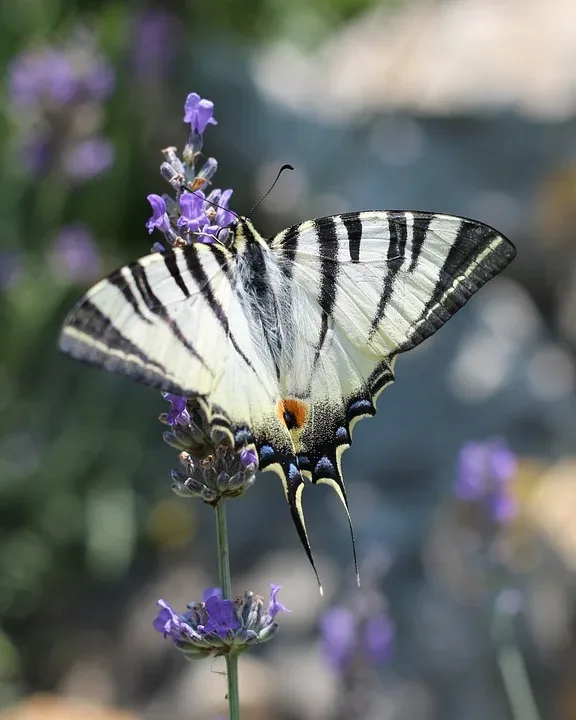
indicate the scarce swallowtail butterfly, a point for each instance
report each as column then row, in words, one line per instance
column 288, row 341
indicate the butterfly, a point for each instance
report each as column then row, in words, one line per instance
column 287, row 342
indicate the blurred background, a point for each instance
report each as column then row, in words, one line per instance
column 462, row 489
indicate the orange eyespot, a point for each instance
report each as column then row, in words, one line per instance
column 293, row 413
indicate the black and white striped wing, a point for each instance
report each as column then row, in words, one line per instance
column 173, row 321
column 365, row 287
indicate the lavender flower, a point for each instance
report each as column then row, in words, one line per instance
column 178, row 413
column 213, row 469
column 217, row 626
column 485, row 471
column 192, row 208
column 159, row 217
column 199, row 113
column 60, row 75
column 216, row 463
column 74, row 254
column 88, row 158
column 55, row 100
column 154, row 44
column 356, row 636
column 192, row 216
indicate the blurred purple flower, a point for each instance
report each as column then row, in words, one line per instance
column 159, row 217
column 221, row 617
column 211, row 592
column 347, row 635
column 485, row 470
column 178, row 413
column 75, row 255
column 58, row 76
column 198, row 112
column 154, row 43
column 89, row 158
column 99, row 79
column 379, row 638
column 338, row 629
column 10, row 268
column 35, row 75
column 36, row 152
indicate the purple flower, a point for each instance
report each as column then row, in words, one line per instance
column 178, row 413
column 159, row 217
column 198, row 112
column 485, row 470
column 379, row 638
column 221, row 617
column 38, row 74
column 248, row 457
column 347, row 635
column 60, row 76
column 154, row 43
column 192, row 209
column 211, row 592
column 75, row 255
column 216, row 626
column 222, row 216
column 275, row 606
column 100, row 79
column 169, row 623
column 89, row 158
column 339, row 636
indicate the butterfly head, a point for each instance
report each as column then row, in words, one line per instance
column 244, row 234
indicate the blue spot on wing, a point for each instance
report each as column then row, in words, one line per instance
column 325, row 467
column 266, row 452
column 342, row 435
column 361, row 406
column 293, row 472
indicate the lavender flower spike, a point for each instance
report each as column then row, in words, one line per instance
column 216, row 626
column 198, row 112
column 485, row 470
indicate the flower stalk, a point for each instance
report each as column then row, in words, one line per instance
column 226, row 586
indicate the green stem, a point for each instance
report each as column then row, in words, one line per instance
column 226, row 586
column 513, row 670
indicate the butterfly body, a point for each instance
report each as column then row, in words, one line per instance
column 287, row 342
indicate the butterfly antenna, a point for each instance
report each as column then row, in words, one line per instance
column 284, row 167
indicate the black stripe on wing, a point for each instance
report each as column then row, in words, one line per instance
column 118, row 280
column 172, row 267
column 353, row 225
column 156, row 307
column 398, row 233
column 199, row 275
column 328, row 245
column 478, row 253
column 95, row 328
column 419, row 231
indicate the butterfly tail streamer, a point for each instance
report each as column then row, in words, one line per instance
column 340, row 490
